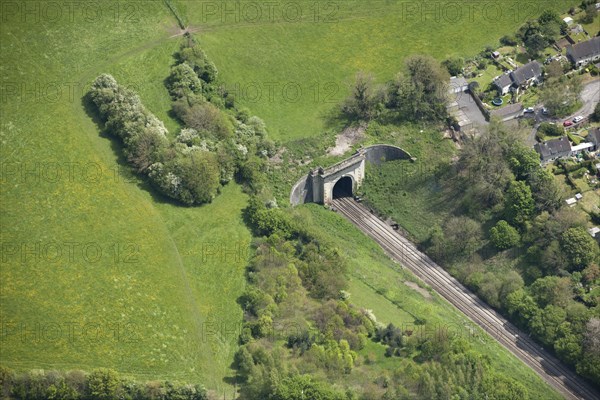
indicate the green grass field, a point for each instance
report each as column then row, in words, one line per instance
column 143, row 286
column 294, row 65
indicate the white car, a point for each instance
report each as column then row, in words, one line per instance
column 529, row 110
column 577, row 119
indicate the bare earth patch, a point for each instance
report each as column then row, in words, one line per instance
column 419, row 289
column 345, row 140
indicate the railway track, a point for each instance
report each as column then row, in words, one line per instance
column 405, row 252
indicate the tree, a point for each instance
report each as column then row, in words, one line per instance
column 560, row 97
column 546, row 323
column 454, row 65
column 103, row 384
column 535, row 44
column 591, row 336
column 303, row 387
column 551, row 25
column 362, row 104
column 482, row 165
column 421, row 93
column 550, row 129
column 579, row 247
column 508, row 40
column 183, row 81
column 546, row 191
column 590, row 14
column 519, row 203
column 462, row 237
column 504, row 236
column 552, row 290
column 195, row 57
column 522, row 159
column 596, row 115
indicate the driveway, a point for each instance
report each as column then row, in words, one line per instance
column 469, row 107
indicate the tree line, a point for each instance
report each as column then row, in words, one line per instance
column 217, row 143
column 419, row 93
column 100, row 384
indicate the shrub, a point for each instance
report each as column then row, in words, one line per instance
column 548, row 129
column 509, row 40
column 504, row 236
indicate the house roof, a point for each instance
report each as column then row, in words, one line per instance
column 582, row 146
column 568, row 20
column 507, row 110
column 594, row 231
column 503, row 81
column 584, row 50
column 526, row 72
column 554, row 147
column 458, row 82
column 571, row 201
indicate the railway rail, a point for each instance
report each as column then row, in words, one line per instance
column 406, row 253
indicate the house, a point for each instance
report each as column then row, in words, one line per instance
column 527, row 75
column 554, row 149
column 508, row 112
column 503, row 83
column 568, row 20
column 585, row 52
column 578, row 196
column 587, row 146
column 594, row 138
column 522, row 77
column 571, row 202
column 458, row 84
column 495, row 54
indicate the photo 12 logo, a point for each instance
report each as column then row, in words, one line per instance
column 55, row 252
column 256, row 12
column 284, row 92
column 69, row 332
column 27, row 11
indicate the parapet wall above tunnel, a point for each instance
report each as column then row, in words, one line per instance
column 314, row 186
column 380, row 153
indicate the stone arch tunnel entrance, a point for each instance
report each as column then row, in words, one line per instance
column 322, row 185
column 343, row 188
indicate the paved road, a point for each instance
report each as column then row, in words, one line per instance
column 590, row 96
column 405, row 252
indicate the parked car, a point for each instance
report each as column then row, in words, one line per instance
column 529, row 110
column 545, row 111
column 577, row 119
column 567, row 123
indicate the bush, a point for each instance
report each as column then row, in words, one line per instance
column 508, row 40
column 548, row 129
column 504, row 236
column 454, row 65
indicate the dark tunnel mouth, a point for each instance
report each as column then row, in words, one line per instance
column 343, row 188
